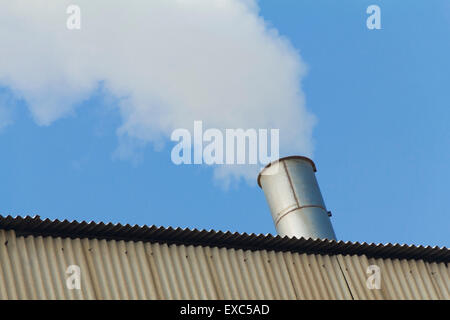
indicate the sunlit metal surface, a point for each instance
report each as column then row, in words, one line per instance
column 295, row 200
column 188, row 264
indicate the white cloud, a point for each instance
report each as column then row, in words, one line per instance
column 171, row 62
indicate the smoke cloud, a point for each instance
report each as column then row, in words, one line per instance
column 168, row 62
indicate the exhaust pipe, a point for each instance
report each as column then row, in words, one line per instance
column 294, row 198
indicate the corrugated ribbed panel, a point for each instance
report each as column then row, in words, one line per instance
column 34, row 267
column 400, row 279
column 35, row 226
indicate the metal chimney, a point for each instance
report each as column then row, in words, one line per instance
column 294, row 198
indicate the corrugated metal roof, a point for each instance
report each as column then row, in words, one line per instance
column 34, row 267
column 401, row 278
column 55, row 228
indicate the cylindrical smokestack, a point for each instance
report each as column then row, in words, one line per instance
column 294, row 198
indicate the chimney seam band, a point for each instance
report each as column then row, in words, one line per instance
column 290, row 183
column 300, row 208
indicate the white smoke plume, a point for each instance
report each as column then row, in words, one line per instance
column 169, row 62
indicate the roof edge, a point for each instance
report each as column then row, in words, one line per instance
column 35, row 226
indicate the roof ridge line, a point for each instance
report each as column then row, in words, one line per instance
column 34, row 225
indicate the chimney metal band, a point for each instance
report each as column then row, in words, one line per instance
column 281, row 216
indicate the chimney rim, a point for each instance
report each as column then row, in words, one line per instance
column 283, row 159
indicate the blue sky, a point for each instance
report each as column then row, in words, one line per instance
column 382, row 103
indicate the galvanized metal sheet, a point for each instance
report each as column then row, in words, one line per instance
column 34, row 267
column 36, row 226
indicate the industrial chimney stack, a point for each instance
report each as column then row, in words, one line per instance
column 294, row 198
